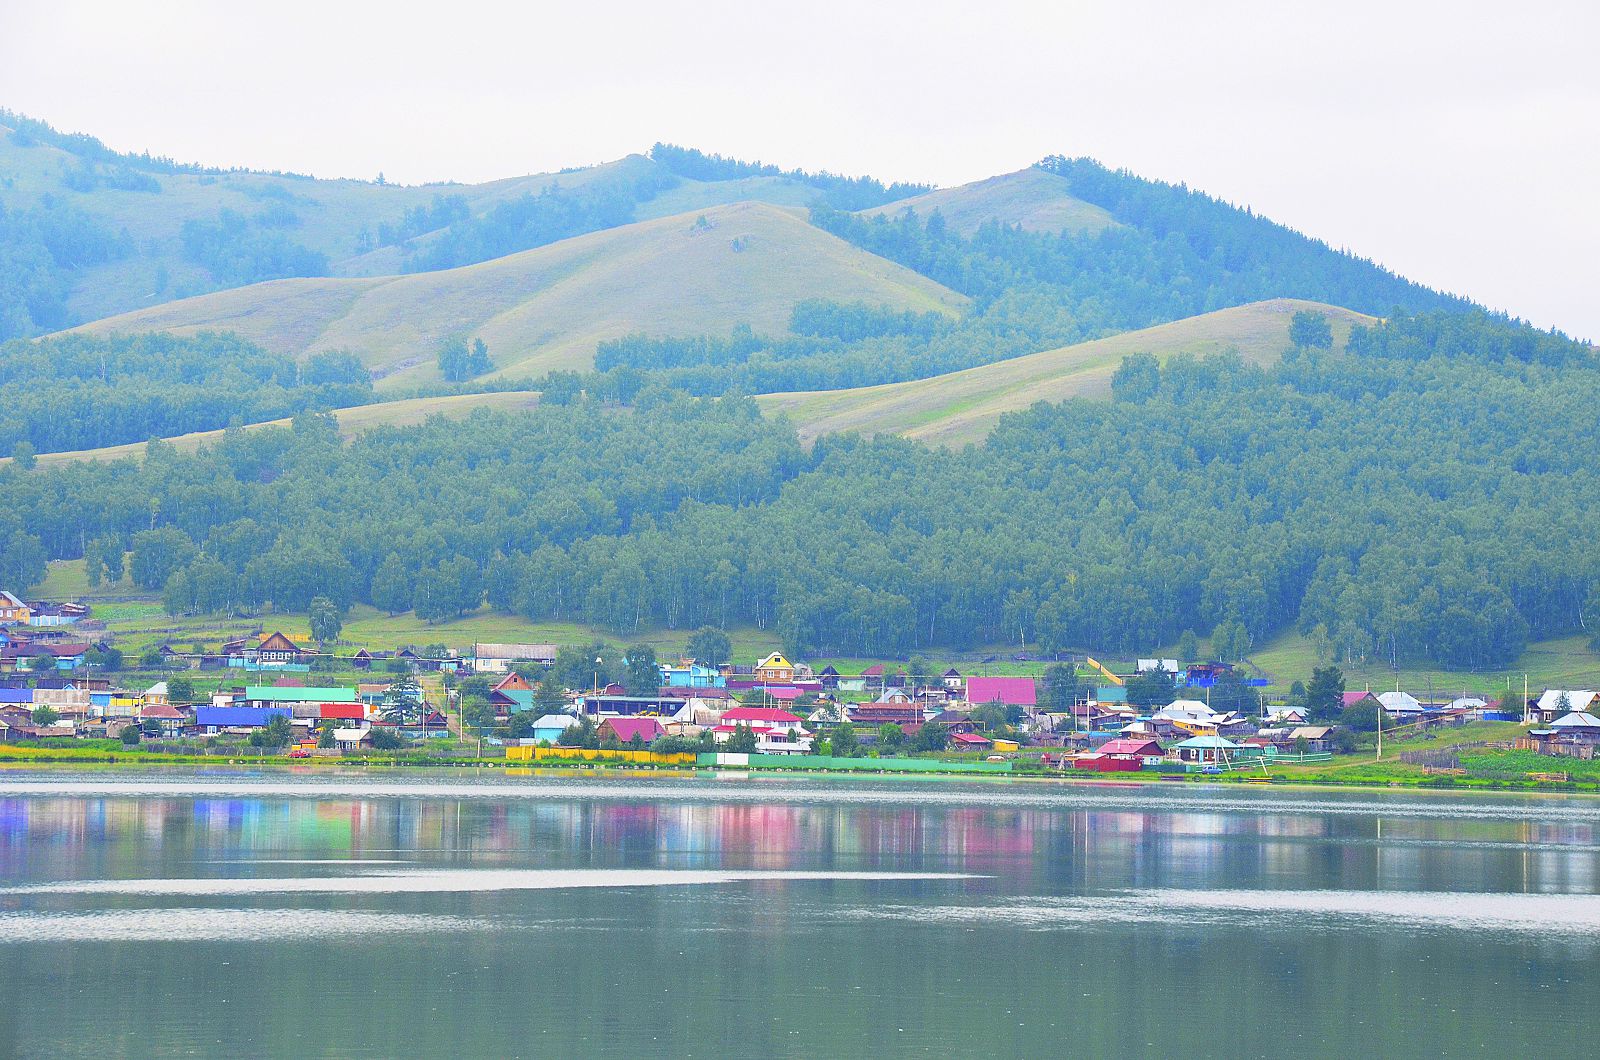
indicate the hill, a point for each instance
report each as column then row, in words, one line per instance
column 352, row 421
column 546, row 308
column 961, row 407
column 1033, row 198
column 90, row 232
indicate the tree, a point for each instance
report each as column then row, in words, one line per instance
column 402, row 701
column 24, row 455
column 1310, row 331
column 1137, row 378
column 1060, row 687
column 44, row 716
column 131, row 735
column 581, row 734
column 933, row 736
column 891, row 736
column 107, row 659
column 548, row 697
column 643, row 676
column 709, row 646
column 384, row 740
column 1325, row 694
column 1229, row 641
column 275, row 733
column 325, row 736
column 520, row 726
column 459, row 362
column 844, row 742
column 151, row 658
column 1188, row 647
column 326, row 621
column 1361, row 717
column 180, row 689
column 1153, row 688
column 157, row 554
column 742, row 740
column 22, row 562
column 42, row 663
column 390, row 590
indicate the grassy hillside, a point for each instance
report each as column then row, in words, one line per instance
column 1032, row 198
column 352, row 421
column 689, row 274
column 961, row 407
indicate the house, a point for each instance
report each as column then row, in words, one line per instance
column 1206, row 750
column 776, row 731
column 167, row 719
column 156, row 694
column 68, row 655
column 499, row 658
column 212, row 720
column 952, row 679
column 548, row 729
column 277, row 649
column 624, row 730
column 1578, row 727
column 361, row 660
column 511, row 693
column 775, row 669
column 299, row 702
column 1318, row 738
column 969, row 741
column 341, row 712
column 1010, row 691
column 13, row 610
column 691, row 674
column 954, row 721
column 1147, row 666
column 352, row 738
column 1400, row 705
column 48, row 614
column 893, row 695
column 371, row 694
column 1554, row 703
column 620, row 703
column 1287, row 716
column 872, row 715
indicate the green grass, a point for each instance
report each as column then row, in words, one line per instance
column 352, row 421
column 961, row 407
column 1565, row 662
column 547, row 308
column 1036, row 200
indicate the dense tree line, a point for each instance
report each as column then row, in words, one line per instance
column 237, row 250
column 1401, row 506
column 86, row 391
column 841, row 193
column 40, row 251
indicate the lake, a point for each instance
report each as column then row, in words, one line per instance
column 320, row 914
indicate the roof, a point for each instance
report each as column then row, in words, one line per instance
column 1131, row 746
column 970, row 738
column 1576, row 720
column 10, row 599
column 343, row 711
column 1207, row 742
column 875, row 670
column 512, row 652
column 784, row 693
column 1311, row 732
column 1393, row 701
column 1577, row 699
column 162, row 710
column 278, row 642
column 16, row 695
column 646, row 729
column 229, row 716
column 157, row 689
column 284, row 694
column 777, row 660
column 521, row 698
column 1012, row 691
column 350, row 735
column 1350, row 699
column 555, row 721
column 952, row 672
column 759, row 716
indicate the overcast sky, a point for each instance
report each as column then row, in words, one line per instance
column 1457, row 143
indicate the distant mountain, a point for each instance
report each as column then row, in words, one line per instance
column 547, row 308
column 961, row 407
column 1032, row 198
column 87, row 232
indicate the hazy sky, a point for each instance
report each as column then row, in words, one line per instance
column 1458, row 143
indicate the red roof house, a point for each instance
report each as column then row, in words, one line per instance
column 970, row 741
column 1012, row 691
column 625, row 729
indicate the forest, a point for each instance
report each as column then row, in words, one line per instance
column 1425, row 494
column 86, row 391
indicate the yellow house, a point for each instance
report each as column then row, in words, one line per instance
column 775, row 668
column 13, row 610
column 1007, row 746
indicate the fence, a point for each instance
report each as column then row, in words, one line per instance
column 849, row 765
column 583, row 754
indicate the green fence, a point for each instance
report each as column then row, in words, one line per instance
column 851, row 765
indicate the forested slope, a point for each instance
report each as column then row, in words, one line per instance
column 1425, row 494
column 961, row 407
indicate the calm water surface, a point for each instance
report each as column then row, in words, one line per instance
column 315, row 915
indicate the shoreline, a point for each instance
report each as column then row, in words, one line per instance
column 134, row 765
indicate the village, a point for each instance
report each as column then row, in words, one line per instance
column 59, row 682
